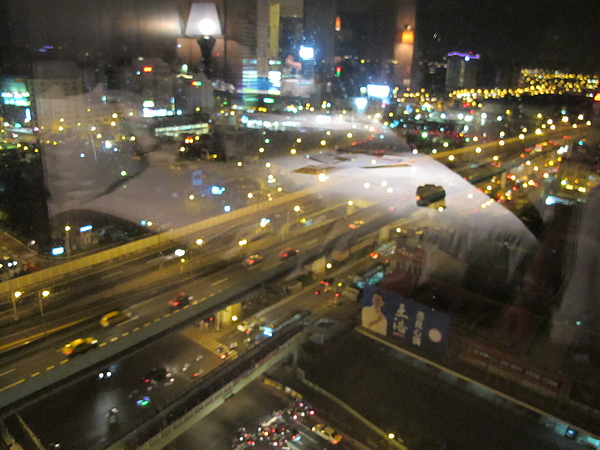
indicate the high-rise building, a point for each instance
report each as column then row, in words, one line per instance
column 462, row 71
column 404, row 44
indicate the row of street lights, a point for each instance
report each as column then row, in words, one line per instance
column 41, row 295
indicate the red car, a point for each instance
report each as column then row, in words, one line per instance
column 180, row 301
column 287, row 253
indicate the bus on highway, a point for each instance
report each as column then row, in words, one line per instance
column 278, row 324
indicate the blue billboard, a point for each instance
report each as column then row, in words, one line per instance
column 415, row 326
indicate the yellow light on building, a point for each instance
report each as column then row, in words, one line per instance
column 407, row 37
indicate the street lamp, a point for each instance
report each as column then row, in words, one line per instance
column 180, row 253
column 204, row 24
column 45, row 293
column 16, row 295
column 68, row 239
column 391, row 437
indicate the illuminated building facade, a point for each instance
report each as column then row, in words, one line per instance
column 462, row 71
column 404, row 46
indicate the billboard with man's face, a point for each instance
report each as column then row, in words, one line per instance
column 416, row 327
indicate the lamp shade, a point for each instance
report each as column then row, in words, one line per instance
column 203, row 21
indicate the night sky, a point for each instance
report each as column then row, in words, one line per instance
column 544, row 33
column 557, row 34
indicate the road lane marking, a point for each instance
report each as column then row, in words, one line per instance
column 35, row 374
column 7, row 372
column 220, row 281
column 50, row 367
column 114, row 339
column 33, row 337
column 16, row 383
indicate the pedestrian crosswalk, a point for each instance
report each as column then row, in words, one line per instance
column 203, row 338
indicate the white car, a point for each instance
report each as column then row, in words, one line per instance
column 245, row 326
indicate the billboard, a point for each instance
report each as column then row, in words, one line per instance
column 378, row 91
column 415, row 326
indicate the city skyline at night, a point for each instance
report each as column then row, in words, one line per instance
column 360, row 224
column 528, row 34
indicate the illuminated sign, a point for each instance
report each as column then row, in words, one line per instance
column 378, row 91
column 306, row 52
column 147, row 69
column 149, row 112
column 361, row 102
column 85, row 228
column 15, row 98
